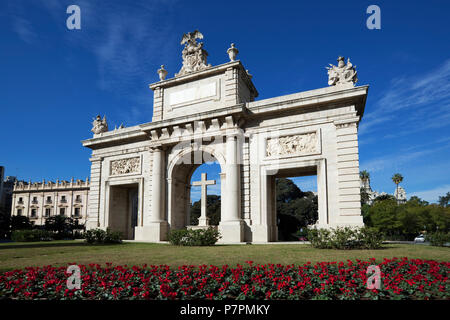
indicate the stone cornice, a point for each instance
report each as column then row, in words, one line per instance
column 327, row 95
column 206, row 73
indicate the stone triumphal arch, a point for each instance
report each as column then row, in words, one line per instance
column 140, row 175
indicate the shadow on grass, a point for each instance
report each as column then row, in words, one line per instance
column 49, row 245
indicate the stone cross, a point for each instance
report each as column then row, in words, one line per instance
column 203, row 220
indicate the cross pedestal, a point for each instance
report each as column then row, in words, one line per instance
column 203, row 220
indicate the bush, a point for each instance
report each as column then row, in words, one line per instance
column 345, row 238
column 438, row 238
column 61, row 227
column 31, row 235
column 100, row 236
column 20, row 223
column 197, row 237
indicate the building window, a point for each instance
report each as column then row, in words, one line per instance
column 49, row 199
column 48, row 211
column 35, row 201
column 63, row 199
column 20, row 200
column 62, row 211
column 33, row 213
column 77, row 212
column 78, row 198
column 19, row 212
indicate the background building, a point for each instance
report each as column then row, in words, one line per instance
column 40, row 200
column 399, row 193
column 6, row 190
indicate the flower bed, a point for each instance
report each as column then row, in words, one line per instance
column 400, row 279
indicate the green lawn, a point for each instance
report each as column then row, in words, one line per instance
column 20, row 255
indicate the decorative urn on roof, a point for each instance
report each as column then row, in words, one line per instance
column 232, row 52
column 162, row 73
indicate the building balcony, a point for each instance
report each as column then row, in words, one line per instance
column 20, row 202
column 34, row 202
column 63, row 201
column 78, row 201
column 48, row 201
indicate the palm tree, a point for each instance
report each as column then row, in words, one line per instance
column 397, row 178
column 364, row 175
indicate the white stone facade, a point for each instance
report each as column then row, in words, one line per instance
column 41, row 200
column 211, row 114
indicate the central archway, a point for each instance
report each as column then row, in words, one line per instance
column 182, row 165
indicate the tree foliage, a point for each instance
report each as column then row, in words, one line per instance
column 213, row 205
column 405, row 221
column 444, row 200
column 295, row 209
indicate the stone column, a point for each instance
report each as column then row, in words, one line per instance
column 231, row 224
column 232, row 186
column 93, row 219
column 157, row 227
column 157, row 187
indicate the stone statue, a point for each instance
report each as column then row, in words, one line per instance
column 99, row 125
column 194, row 56
column 343, row 73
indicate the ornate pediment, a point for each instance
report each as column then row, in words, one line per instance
column 194, row 56
column 342, row 74
column 99, row 125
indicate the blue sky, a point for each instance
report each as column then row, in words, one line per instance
column 53, row 81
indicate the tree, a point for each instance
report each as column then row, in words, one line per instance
column 397, row 178
column 416, row 201
column 5, row 223
column 287, row 190
column 364, row 175
column 20, row 223
column 444, row 200
column 383, row 216
column 61, row 226
column 384, row 197
column 365, row 198
column 295, row 208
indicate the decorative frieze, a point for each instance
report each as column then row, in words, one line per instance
column 299, row 144
column 126, row 166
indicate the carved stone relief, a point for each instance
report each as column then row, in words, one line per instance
column 125, row 166
column 300, row 144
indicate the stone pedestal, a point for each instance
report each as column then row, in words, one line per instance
column 231, row 231
column 154, row 232
column 203, row 221
column 264, row 233
column 200, row 227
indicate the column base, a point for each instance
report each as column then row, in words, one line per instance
column 154, row 232
column 231, row 231
column 264, row 233
column 200, row 227
column 343, row 221
column 92, row 224
column 203, row 222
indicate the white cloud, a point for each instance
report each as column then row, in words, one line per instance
column 24, row 29
column 196, row 191
column 424, row 97
column 383, row 163
column 432, row 195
